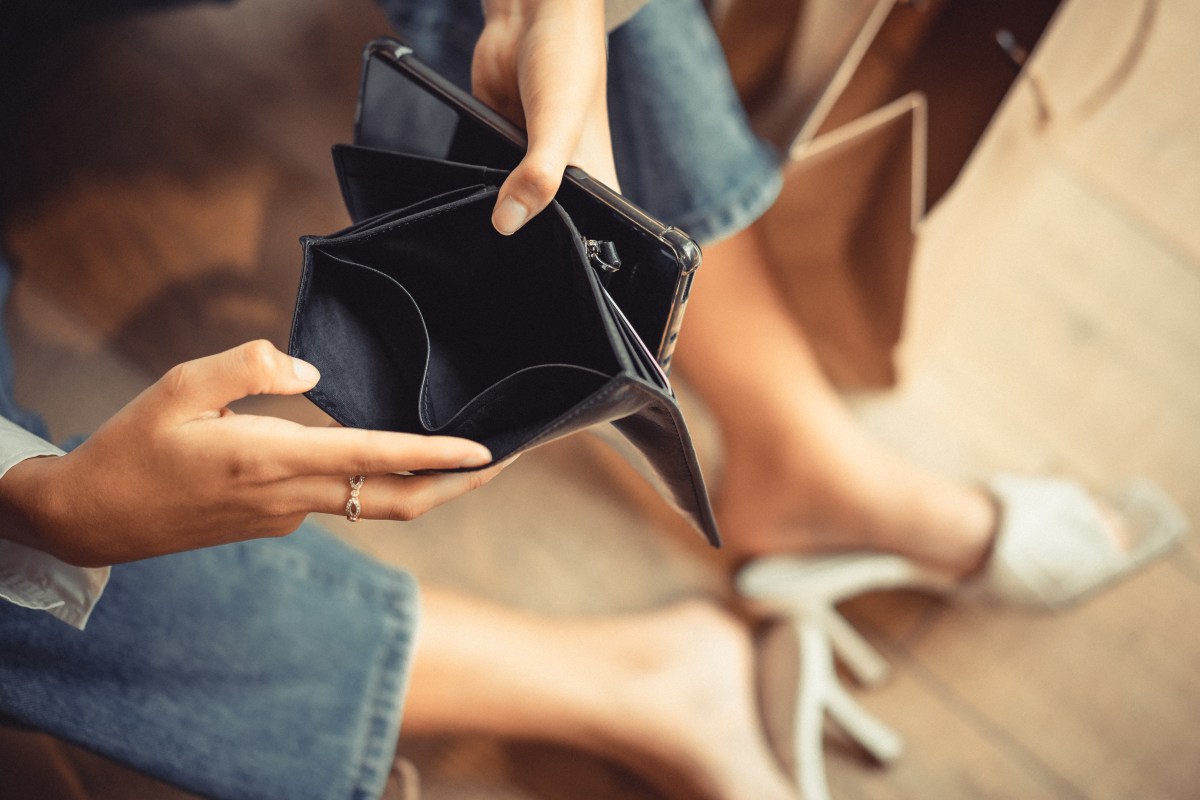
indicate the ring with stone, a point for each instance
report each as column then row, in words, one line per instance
column 354, row 505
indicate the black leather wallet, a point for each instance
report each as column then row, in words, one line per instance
column 422, row 318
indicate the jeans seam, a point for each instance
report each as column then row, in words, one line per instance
column 384, row 703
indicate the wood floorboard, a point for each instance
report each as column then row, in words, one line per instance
column 1128, row 139
column 984, row 761
column 1093, row 692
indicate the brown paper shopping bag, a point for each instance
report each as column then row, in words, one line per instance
column 841, row 235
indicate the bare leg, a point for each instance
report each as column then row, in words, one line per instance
column 669, row 694
column 801, row 474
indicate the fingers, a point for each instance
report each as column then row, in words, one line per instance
column 206, row 385
column 394, row 497
column 554, row 118
column 557, row 52
column 320, row 451
column 558, row 135
column 262, row 449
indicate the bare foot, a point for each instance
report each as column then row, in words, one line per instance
column 682, row 686
column 670, row 694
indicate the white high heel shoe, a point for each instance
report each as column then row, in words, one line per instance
column 1054, row 546
column 803, row 593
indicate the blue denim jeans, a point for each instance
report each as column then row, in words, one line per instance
column 684, row 149
column 270, row 669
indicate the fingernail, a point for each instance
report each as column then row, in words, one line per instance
column 510, row 215
column 305, row 372
column 476, row 458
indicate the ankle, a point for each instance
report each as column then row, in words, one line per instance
column 779, row 499
column 949, row 527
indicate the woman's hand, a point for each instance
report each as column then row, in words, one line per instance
column 177, row 470
column 542, row 63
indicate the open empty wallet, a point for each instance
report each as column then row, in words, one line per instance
column 423, row 319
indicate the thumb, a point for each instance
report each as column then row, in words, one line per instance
column 209, row 384
column 529, row 188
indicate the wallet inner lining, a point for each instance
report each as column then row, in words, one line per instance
column 492, row 307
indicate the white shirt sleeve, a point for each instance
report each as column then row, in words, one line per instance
column 30, row 577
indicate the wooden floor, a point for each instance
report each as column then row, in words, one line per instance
column 1054, row 327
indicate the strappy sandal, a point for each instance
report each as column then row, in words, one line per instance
column 1054, row 547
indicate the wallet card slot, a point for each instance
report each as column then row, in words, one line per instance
column 492, row 305
column 419, row 207
column 372, row 349
column 510, row 412
column 640, row 359
column 375, row 181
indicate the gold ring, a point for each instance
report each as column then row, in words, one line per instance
column 353, row 505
